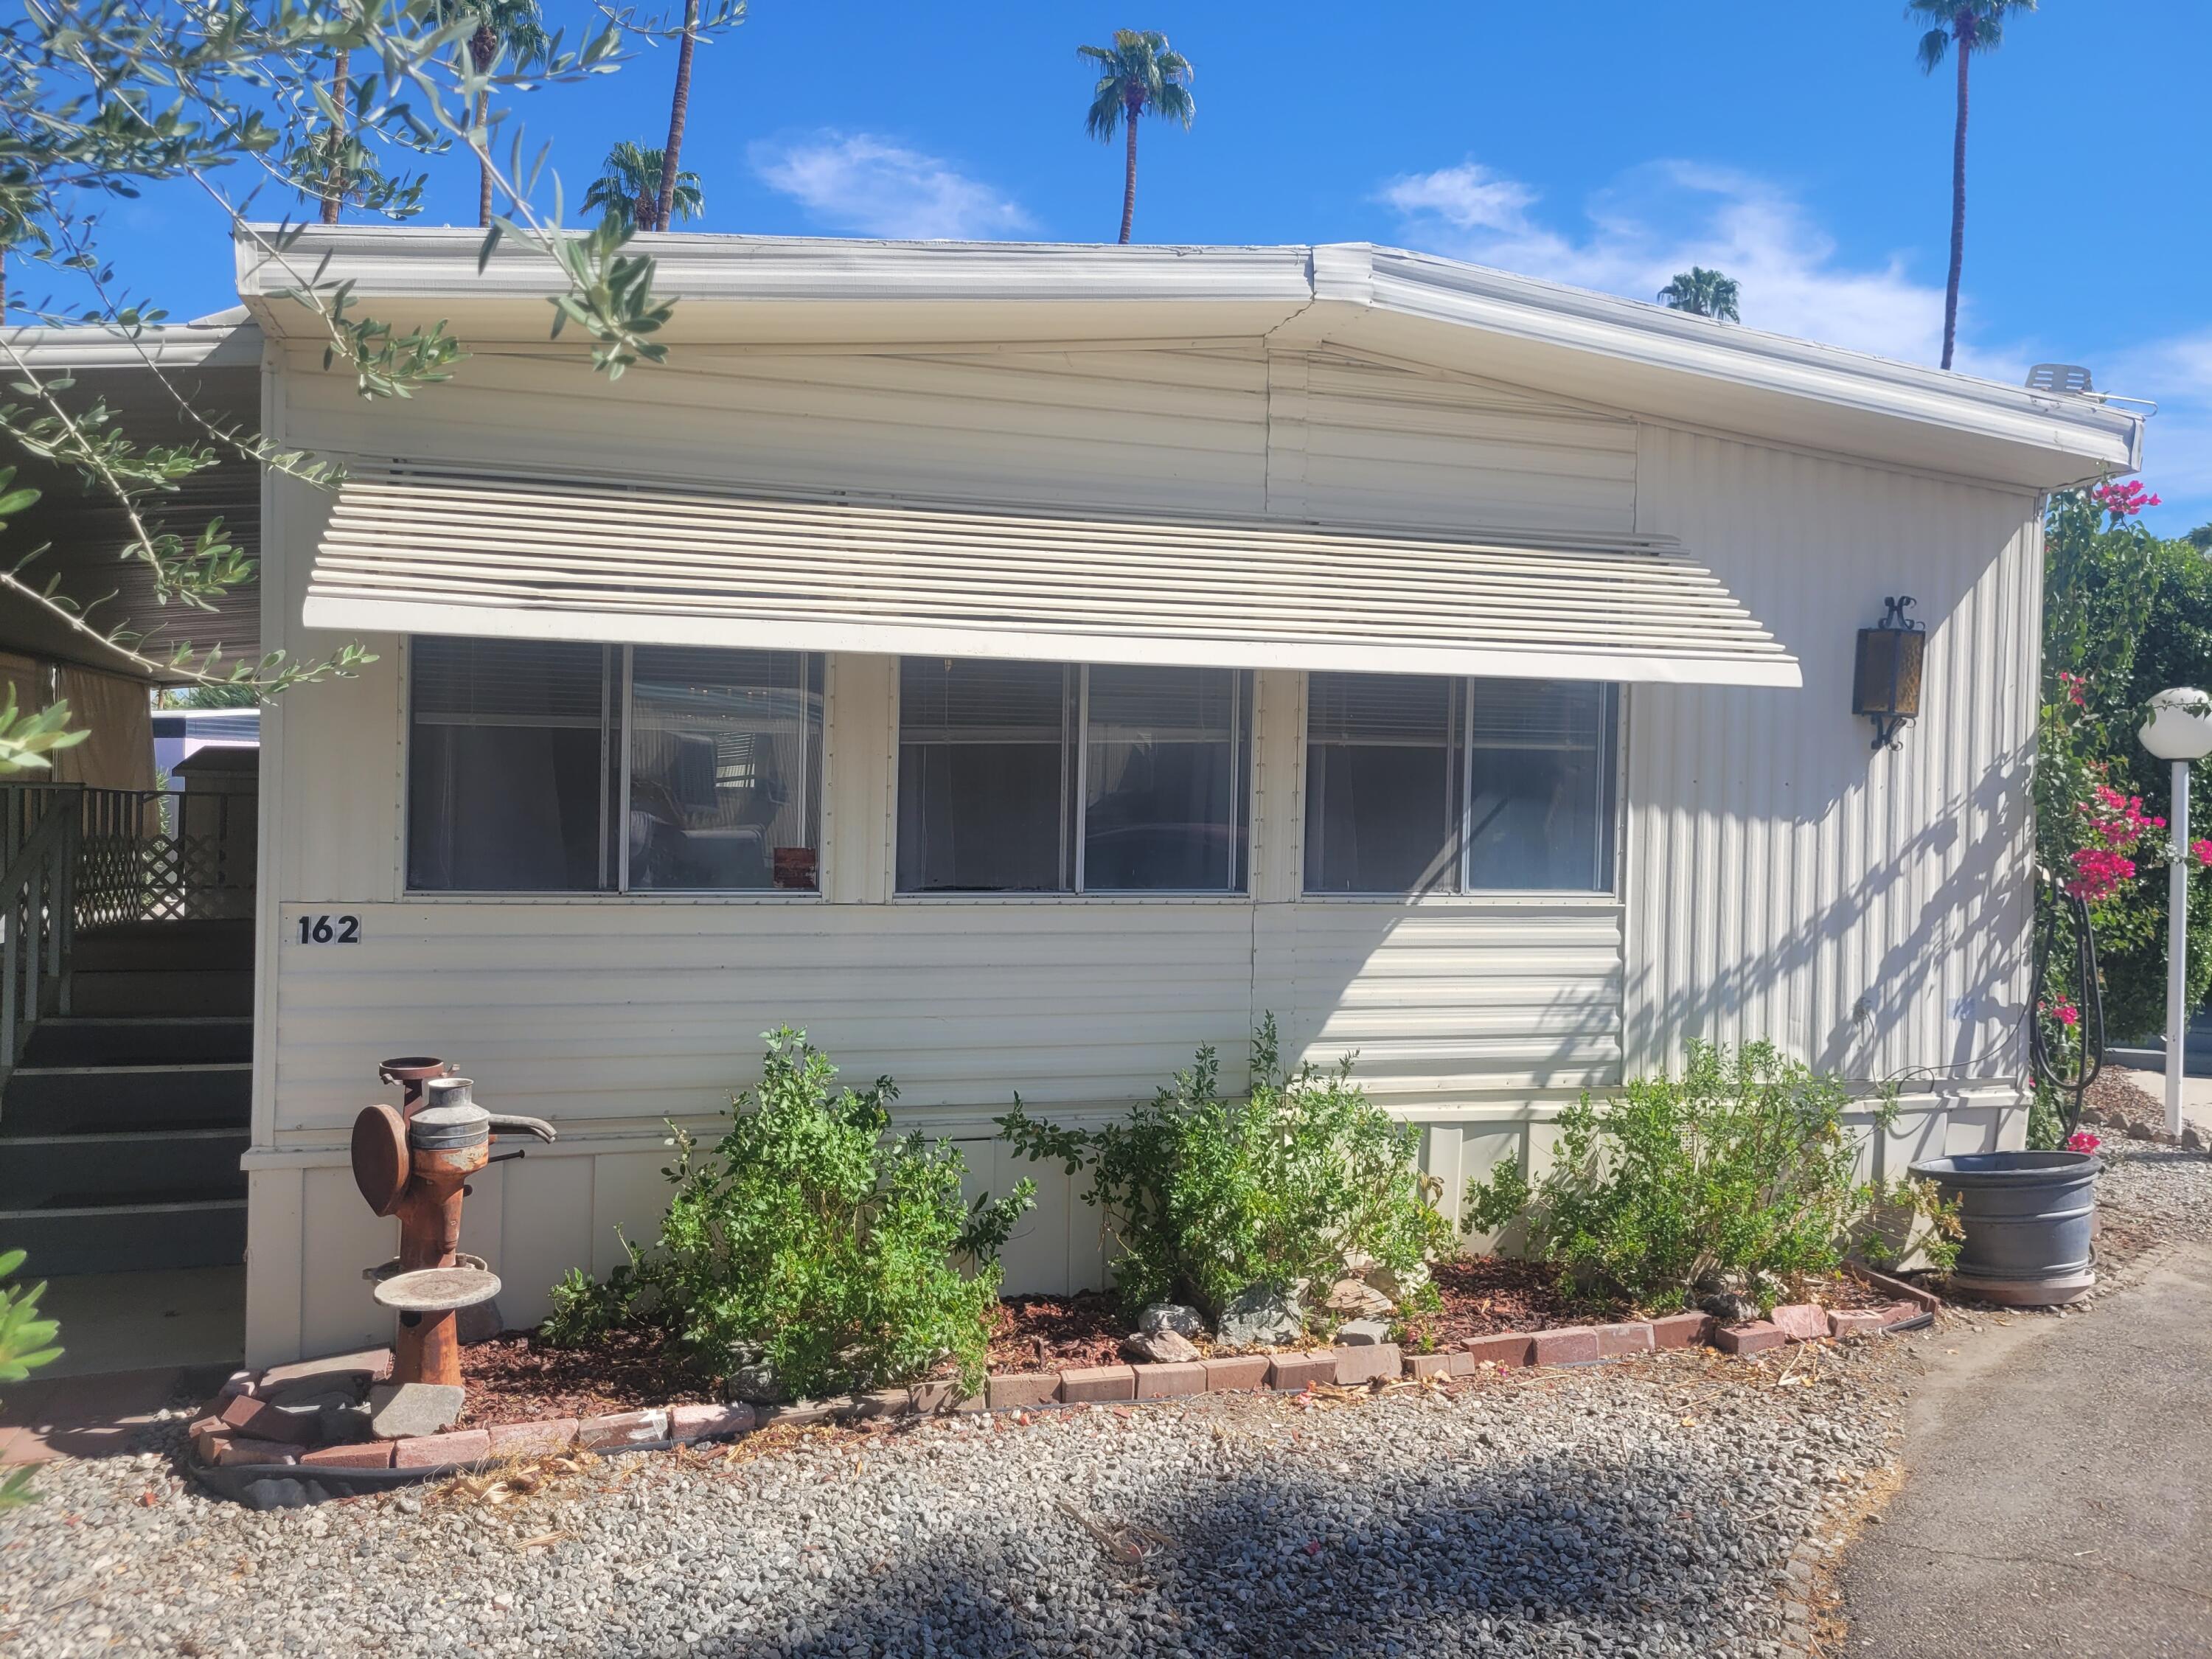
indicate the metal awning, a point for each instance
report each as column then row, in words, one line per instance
column 417, row 550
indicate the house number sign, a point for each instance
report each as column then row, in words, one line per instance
column 327, row 929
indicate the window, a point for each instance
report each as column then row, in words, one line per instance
column 1050, row 778
column 550, row 767
column 1418, row 784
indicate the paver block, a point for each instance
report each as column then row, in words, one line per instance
column 1232, row 1372
column 1006, row 1390
column 708, row 1422
column 1634, row 1336
column 622, row 1429
column 257, row 1419
column 934, row 1399
column 407, row 1411
column 1298, row 1370
column 1171, row 1380
column 236, row 1383
column 370, row 1364
column 1902, row 1313
column 1506, row 1348
column 1857, row 1322
column 437, row 1451
column 361, row 1454
column 880, row 1402
column 1753, row 1336
column 1369, row 1363
column 1428, row 1364
column 539, row 1438
column 238, row 1451
column 1092, row 1383
column 1570, row 1345
column 1801, row 1322
column 804, row 1412
column 1682, row 1330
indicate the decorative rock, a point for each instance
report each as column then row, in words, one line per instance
column 1753, row 1336
column 1681, row 1330
column 622, row 1429
column 438, row 1451
column 1260, row 1317
column 1170, row 1382
column 1362, row 1333
column 407, row 1411
column 362, row 1455
column 1161, row 1348
column 709, row 1422
column 1171, row 1316
column 543, row 1437
column 1355, row 1298
column 1397, row 1286
column 1570, row 1345
column 1728, row 1308
column 1633, row 1337
column 1009, row 1390
column 1359, row 1264
column 1232, row 1372
column 754, row 1382
column 1507, row 1348
column 1093, row 1383
column 1371, row 1362
column 2191, row 1139
column 1801, row 1322
column 1298, row 1370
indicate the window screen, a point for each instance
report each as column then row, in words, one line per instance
column 1042, row 777
column 1416, row 784
column 521, row 776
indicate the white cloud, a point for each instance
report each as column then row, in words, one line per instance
column 857, row 182
column 2176, row 374
column 1665, row 216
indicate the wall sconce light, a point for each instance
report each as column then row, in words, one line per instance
column 1885, row 688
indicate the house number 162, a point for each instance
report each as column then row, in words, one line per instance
column 330, row 930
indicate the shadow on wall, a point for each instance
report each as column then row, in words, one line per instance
column 1409, row 1555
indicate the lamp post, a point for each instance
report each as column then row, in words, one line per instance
column 2179, row 730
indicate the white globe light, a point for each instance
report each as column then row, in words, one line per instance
column 2180, row 725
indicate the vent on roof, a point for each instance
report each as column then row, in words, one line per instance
column 2059, row 377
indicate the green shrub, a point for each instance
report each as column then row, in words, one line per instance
column 26, row 1344
column 806, row 1239
column 1741, row 1170
column 1207, row 1197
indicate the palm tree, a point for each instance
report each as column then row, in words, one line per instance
column 1702, row 293
column 630, row 185
column 334, row 178
column 515, row 27
column 679, row 105
column 2200, row 538
column 1136, row 75
column 1967, row 26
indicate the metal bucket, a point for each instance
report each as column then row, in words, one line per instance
column 2029, row 1219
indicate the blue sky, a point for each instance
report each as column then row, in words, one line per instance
column 1606, row 144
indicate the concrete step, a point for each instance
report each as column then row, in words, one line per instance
column 161, row 991
column 50, row 1100
column 104, row 1238
column 41, row 1172
column 140, row 1040
column 225, row 945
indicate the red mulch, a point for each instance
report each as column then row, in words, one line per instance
column 1484, row 1295
column 1045, row 1333
column 515, row 1379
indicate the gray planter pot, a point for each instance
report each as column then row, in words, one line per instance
column 2029, row 1219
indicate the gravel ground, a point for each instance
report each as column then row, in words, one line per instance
column 1648, row 1507
column 2161, row 1189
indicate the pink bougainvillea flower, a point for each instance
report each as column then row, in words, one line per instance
column 2200, row 851
column 2083, row 1141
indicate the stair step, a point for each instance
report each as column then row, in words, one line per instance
column 170, row 945
column 44, row 1172
column 169, row 991
column 64, row 1100
column 140, row 1040
column 107, row 1238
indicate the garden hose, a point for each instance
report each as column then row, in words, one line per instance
column 2055, row 901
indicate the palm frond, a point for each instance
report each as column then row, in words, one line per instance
column 1935, row 46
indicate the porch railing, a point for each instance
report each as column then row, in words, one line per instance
column 37, row 917
column 144, row 854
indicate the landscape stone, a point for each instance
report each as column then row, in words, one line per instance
column 755, row 1382
column 1161, row 1348
column 407, row 1411
column 1261, row 1317
column 1362, row 1333
column 1355, row 1298
column 1171, row 1316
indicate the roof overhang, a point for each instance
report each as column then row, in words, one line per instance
column 1615, row 354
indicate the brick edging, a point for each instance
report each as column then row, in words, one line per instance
column 240, row 1426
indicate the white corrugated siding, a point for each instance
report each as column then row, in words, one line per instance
column 1775, row 872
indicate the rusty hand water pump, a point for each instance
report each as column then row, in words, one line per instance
column 414, row 1163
